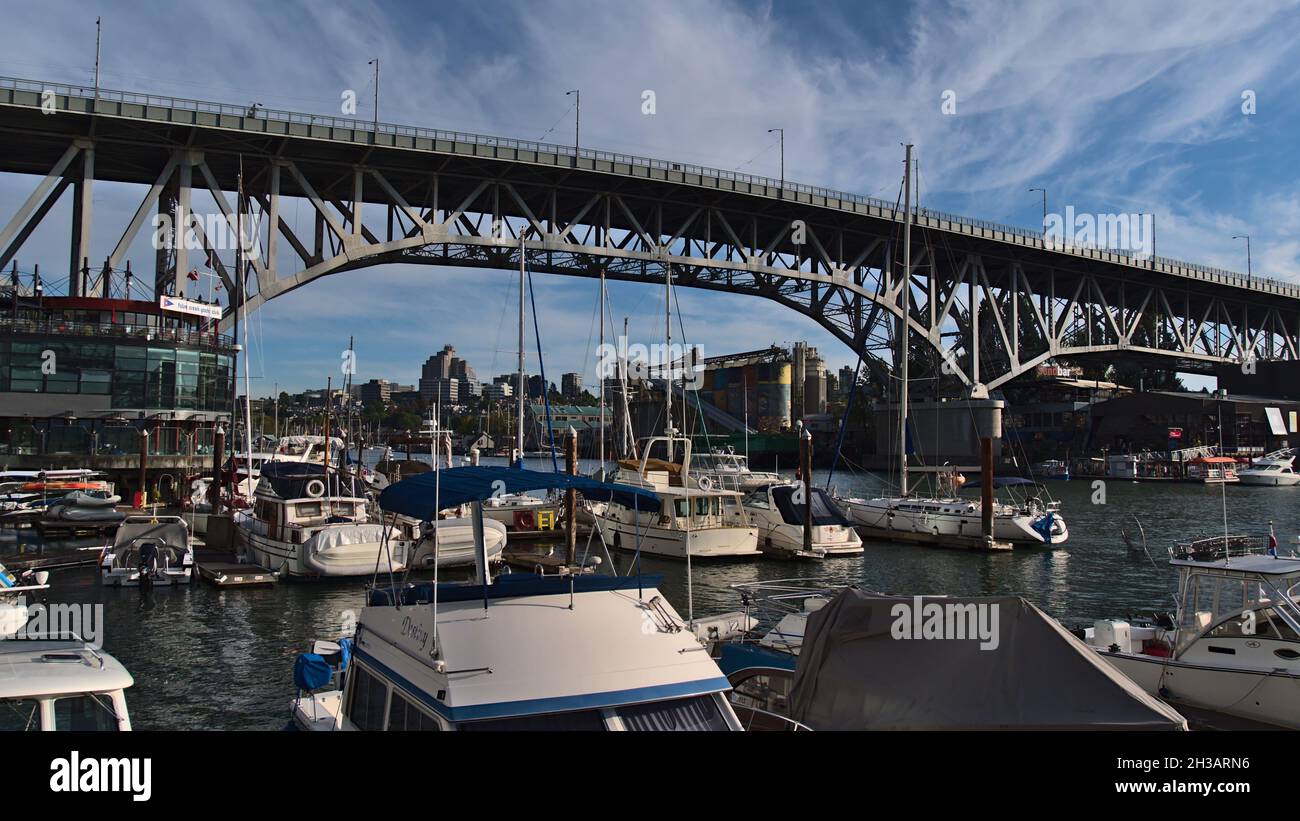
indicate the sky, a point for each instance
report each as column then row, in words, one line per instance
column 1189, row 111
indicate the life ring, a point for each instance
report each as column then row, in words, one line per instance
column 524, row 520
column 315, row 488
column 706, row 483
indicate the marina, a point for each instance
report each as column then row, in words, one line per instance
column 321, row 412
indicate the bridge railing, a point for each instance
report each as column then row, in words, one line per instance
column 964, row 224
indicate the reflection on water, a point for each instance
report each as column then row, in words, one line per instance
column 206, row 658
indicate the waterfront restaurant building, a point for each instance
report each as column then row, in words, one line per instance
column 81, row 378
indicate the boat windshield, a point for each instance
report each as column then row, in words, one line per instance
column 1236, row 604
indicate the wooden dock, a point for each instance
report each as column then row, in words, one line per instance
column 222, row 569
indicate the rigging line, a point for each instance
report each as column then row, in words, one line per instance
column 541, row 365
column 699, row 406
column 555, row 124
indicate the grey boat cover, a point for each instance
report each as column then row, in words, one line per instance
column 855, row 674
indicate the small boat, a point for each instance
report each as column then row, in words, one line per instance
column 306, row 522
column 87, row 507
column 779, row 516
column 148, row 550
column 578, row 651
column 1232, row 647
column 455, row 545
column 850, row 659
column 1275, row 469
column 1213, row 470
column 1053, row 469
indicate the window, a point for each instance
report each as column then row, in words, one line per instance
column 403, row 716
column 583, row 720
column 307, row 510
column 92, row 711
column 368, row 699
column 695, row 713
column 20, row 714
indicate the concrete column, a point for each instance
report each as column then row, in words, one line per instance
column 82, row 208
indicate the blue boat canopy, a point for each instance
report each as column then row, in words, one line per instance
column 414, row 497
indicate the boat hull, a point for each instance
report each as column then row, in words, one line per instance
column 315, row 557
column 1271, row 697
column 709, row 543
column 886, row 521
column 1264, row 480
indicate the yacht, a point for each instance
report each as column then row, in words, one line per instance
column 729, row 470
column 1053, row 469
column 148, row 550
column 778, row 514
column 55, row 682
column 579, row 651
column 688, row 520
column 1273, row 470
column 1213, row 470
column 1233, row 646
column 306, row 522
column 1031, row 521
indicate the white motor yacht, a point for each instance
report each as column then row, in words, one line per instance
column 305, row 522
column 520, row 652
column 779, row 516
column 1233, row 646
column 1275, row 469
column 706, row 523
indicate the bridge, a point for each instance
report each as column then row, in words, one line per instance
column 988, row 302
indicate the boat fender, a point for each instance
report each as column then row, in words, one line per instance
column 315, row 488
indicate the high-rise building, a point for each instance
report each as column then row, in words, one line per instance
column 443, row 390
column 376, row 393
column 571, row 385
column 846, row 380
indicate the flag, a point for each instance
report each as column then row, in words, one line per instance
column 217, row 286
column 193, row 275
column 1272, row 541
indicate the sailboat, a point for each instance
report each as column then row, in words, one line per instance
column 941, row 519
column 520, row 512
column 692, row 521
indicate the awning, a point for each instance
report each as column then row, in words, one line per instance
column 414, row 497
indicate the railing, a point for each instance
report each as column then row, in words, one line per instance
column 98, row 330
column 351, row 124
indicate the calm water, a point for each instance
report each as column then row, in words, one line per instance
column 208, row 659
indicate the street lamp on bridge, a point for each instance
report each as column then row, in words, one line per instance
column 1246, row 237
column 781, row 132
column 1044, row 193
column 375, row 63
column 577, row 121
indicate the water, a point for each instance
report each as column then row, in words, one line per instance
column 205, row 658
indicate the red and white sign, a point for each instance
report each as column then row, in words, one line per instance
column 1175, row 433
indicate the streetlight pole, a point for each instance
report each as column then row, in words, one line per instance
column 375, row 63
column 577, row 122
column 1246, row 237
column 781, row 131
column 97, row 33
column 1044, row 193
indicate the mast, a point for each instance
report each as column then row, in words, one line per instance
column 668, row 344
column 523, row 388
column 239, row 268
column 601, row 376
column 902, row 322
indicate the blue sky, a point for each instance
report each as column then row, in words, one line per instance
column 1114, row 107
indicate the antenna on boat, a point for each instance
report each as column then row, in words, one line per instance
column 521, row 387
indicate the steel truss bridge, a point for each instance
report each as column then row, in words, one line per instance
column 988, row 302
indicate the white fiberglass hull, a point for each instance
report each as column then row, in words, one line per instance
column 456, row 544
column 957, row 518
column 705, row 543
column 123, row 577
column 1268, row 478
column 1272, row 697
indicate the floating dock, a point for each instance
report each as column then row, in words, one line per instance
column 223, row 569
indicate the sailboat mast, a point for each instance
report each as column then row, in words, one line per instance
column 600, row 375
column 243, row 289
column 668, row 344
column 902, row 322
column 523, row 388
